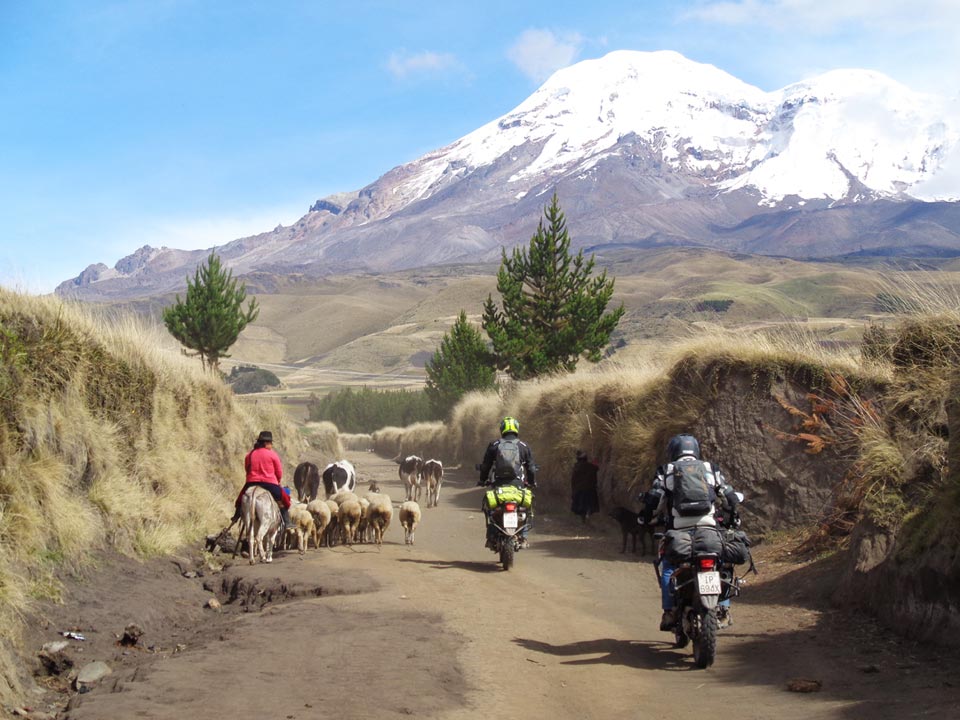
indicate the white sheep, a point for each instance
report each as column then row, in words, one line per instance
column 380, row 514
column 343, row 495
column 334, row 526
column 320, row 509
column 364, row 530
column 348, row 516
column 409, row 519
column 304, row 526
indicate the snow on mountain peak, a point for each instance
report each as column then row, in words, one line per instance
column 830, row 136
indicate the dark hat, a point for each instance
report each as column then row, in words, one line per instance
column 265, row 437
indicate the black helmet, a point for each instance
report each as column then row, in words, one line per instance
column 683, row 445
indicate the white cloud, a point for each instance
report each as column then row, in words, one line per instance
column 540, row 53
column 403, row 64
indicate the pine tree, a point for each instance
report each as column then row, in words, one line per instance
column 211, row 316
column 553, row 310
column 462, row 363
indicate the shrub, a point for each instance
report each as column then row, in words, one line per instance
column 248, row 379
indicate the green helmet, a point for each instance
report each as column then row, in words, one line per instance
column 509, row 425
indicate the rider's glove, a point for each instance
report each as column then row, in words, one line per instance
column 533, row 484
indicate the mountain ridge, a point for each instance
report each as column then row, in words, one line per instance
column 643, row 149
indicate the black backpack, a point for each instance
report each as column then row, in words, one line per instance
column 693, row 495
column 508, row 465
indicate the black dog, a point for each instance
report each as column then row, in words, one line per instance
column 628, row 525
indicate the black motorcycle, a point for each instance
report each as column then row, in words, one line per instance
column 701, row 580
column 507, row 510
column 504, row 532
column 696, row 588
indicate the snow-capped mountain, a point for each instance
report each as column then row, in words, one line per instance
column 643, row 149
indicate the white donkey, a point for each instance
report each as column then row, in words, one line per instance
column 260, row 520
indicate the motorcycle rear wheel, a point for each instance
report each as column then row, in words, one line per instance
column 506, row 554
column 705, row 644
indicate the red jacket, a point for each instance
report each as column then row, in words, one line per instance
column 263, row 465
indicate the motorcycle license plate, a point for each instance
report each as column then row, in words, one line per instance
column 709, row 582
column 510, row 521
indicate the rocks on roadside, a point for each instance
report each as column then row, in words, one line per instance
column 131, row 635
column 213, row 604
column 804, row 685
column 90, row 676
column 55, row 662
column 30, row 714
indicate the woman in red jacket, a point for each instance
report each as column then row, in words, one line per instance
column 265, row 470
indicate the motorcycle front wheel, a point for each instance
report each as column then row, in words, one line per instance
column 506, row 553
column 705, row 644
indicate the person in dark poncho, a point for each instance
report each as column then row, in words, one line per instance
column 583, row 487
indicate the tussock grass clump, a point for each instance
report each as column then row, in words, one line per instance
column 357, row 441
column 108, row 438
column 426, row 439
column 386, row 441
column 325, row 438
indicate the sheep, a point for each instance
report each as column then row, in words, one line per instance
column 409, row 519
column 364, row 530
column 380, row 514
column 320, row 510
column 334, row 527
column 433, row 477
column 304, row 526
column 342, row 496
column 349, row 518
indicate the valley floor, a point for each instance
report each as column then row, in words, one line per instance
column 438, row 630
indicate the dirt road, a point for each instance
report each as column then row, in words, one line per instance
column 438, row 630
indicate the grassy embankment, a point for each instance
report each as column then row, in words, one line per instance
column 110, row 439
column 861, row 433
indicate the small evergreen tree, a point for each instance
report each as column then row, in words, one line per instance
column 553, row 310
column 462, row 363
column 211, row 316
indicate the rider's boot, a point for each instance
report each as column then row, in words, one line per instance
column 285, row 514
column 667, row 620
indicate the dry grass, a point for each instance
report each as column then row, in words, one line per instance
column 108, row 437
column 357, row 441
column 324, row 438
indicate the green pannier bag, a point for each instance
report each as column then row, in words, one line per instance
column 508, row 493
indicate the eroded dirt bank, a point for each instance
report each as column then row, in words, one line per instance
column 437, row 630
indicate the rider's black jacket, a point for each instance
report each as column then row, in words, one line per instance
column 526, row 459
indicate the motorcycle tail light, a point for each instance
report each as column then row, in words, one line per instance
column 510, row 507
column 707, row 563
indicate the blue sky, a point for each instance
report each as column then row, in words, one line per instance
column 190, row 123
